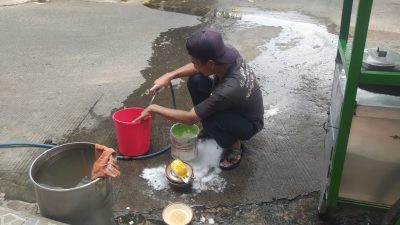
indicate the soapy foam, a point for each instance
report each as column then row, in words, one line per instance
column 205, row 167
column 271, row 112
column 155, row 177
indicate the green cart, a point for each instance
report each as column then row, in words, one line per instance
column 362, row 146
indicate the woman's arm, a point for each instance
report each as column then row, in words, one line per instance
column 176, row 115
column 184, row 71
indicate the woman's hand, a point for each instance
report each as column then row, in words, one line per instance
column 146, row 112
column 160, row 84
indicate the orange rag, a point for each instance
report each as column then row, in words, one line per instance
column 106, row 162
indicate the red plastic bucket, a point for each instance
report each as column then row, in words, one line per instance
column 133, row 138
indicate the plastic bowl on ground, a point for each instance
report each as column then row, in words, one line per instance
column 177, row 214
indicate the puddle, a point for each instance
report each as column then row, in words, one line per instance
column 297, row 64
column 168, row 53
column 198, row 8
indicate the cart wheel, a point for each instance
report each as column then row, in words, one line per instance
column 392, row 217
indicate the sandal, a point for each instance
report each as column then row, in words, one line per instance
column 232, row 156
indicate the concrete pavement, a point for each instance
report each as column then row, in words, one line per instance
column 62, row 63
column 12, row 217
column 67, row 65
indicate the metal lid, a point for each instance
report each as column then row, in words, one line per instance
column 380, row 59
column 175, row 179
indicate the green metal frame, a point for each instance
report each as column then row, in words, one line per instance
column 362, row 204
column 352, row 64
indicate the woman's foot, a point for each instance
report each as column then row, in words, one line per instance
column 231, row 157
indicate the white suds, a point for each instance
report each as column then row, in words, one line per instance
column 155, row 177
column 271, row 112
column 205, row 167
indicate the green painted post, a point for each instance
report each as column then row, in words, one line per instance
column 345, row 23
column 349, row 104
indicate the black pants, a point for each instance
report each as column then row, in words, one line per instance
column 226, row 127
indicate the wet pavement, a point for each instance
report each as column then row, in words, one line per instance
column 77, row 69
column 292, row 54
column 286, row 88
column 300, row 210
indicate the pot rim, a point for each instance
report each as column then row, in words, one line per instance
column 58, row 189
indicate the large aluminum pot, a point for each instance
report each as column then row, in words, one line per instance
column 89, row 203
